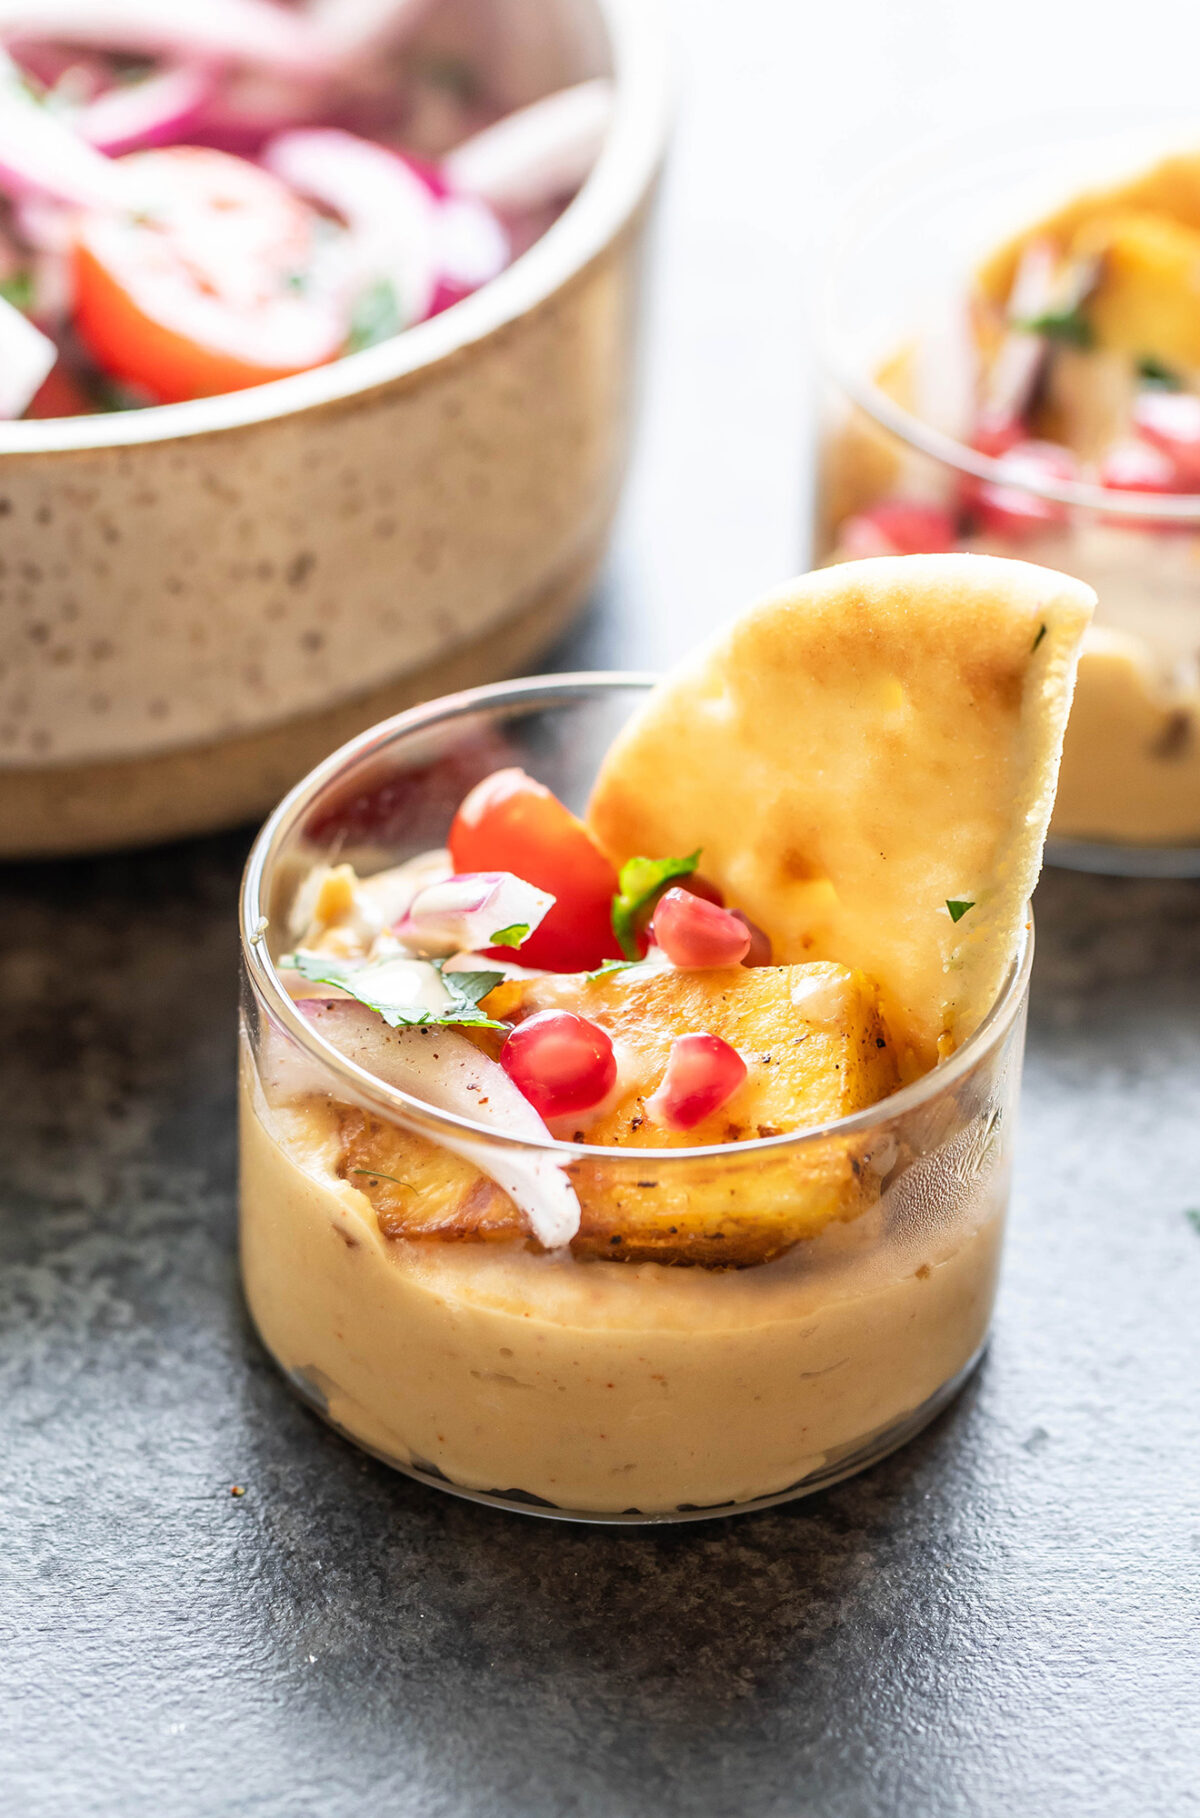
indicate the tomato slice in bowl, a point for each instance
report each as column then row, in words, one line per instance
column 509, row 822
column 210, row 286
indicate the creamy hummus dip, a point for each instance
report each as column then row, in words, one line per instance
column 600, row 1387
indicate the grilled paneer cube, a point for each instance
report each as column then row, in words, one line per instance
column 816, row 1050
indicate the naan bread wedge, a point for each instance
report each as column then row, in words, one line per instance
column 862, row 748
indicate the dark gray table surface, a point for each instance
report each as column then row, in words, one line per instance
column 1004, row 1618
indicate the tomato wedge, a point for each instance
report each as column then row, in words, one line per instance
column 509, row 822
column 209, row 287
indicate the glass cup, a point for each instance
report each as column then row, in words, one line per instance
column 896, row 401
column 586, row 1386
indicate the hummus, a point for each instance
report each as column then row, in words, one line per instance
column 601, row 1388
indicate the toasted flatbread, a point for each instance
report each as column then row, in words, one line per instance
column 864, row 747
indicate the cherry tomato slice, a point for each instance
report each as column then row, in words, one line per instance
column 509, row 822
column 208, row 288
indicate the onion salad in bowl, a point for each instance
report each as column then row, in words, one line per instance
column 196, row 201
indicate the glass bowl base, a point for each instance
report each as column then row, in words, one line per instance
column 857, row 1456
column 1123, row 861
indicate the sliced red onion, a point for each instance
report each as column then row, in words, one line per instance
column 220, row 31
column 445, row 1070
column 1017, row 366
column 537, row 155
column 41, row 156
column 389, row 209
column 159, row 110
column 354, row 28
column 473, row 248
column 26, row 357
column 474, row 909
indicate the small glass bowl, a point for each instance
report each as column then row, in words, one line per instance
column 895, row 388
column 594, row 1389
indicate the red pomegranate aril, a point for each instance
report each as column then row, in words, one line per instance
column 1170, row 420
column 996, row 434
column 898, row 527
column 760, row 952
column 1138, row 467
column 562, row 1063
column 1006, row 507
column 694, row 933
column 703, row 1073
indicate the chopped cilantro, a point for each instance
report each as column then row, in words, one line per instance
column 1192, row 1214
column 377, row 316
column 611, row 965
column 1041, row 632
column 958, row 908
column 641, row 883
column 17, row 289
column 512, row 936
column 1153, row 372
column 392, row 988
column 1068, row 325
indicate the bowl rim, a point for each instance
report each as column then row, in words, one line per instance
column 529, row 692
column 622, row 177
column 937, row 161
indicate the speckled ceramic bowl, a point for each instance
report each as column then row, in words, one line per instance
column 202, row 599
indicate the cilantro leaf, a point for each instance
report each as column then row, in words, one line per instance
column 468, row 987
column 1154, row 372
column 641, row 883
column 611, row 965
column 377, row 316
column 1068, row 325
column 404, row 992
column 17, row 289
column 512, row 936
column 958, row 908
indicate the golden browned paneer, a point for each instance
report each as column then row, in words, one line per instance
column 1171, row 189
column 1146, row 301
column 816, row 1050
column 419, row 1189
column 811, row 1037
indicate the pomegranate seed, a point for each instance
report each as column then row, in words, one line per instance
column 1138, row 467
column 996, row 434
column 703, row 1073
column 1170, row 421
column 760, row 953
column 562, row 1063
column 1007, row 508
column 696, row 933
column 898, row 527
